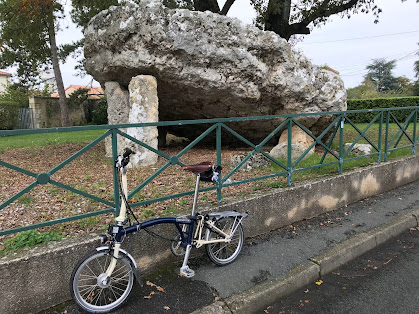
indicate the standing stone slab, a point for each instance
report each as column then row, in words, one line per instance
column 138, row 104
column 300, row 142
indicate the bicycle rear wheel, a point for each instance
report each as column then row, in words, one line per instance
column 223, row 253
column 88, row 289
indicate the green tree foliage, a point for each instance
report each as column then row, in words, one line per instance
column 380, row 72
column 416, row 69
column 15, row 94
column 84, row 10
column 416, row 66
column 27, row 40
column 364, row 91
column 367, row 90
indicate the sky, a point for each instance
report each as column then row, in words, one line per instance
column 349, row 45
column 346, row 45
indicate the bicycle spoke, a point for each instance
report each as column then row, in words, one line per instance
column 100, row 266
column 88, row 277
column 98, row 296
column 91, row 271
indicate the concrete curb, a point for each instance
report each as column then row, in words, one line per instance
column 264, row 294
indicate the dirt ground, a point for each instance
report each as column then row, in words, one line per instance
column 92, row 173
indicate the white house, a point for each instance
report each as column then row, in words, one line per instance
column 4, row 80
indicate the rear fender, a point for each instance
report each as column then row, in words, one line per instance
column 219, row 215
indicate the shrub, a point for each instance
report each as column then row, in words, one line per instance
column 9, row 114
column 381, row 103
column 100, row 115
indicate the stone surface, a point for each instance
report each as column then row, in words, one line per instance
column 359, row 149
column 139, row 104
column 300, row 142
column 210, row 66
column 256, row 161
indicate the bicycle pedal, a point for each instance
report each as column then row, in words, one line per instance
column 186, row 272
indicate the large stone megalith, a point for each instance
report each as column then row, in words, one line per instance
column 138, row 104
column 210, row 66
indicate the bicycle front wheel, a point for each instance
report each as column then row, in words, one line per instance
column 223, row 253
column 96, row 295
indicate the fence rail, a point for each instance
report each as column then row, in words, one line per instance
column 406, row 137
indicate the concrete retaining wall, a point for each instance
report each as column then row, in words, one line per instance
column 38, row 278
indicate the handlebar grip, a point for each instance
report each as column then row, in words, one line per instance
column 127, row 152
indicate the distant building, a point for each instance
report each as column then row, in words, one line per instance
column 325, row 67
column 48, row 78
column 94, row 92
column 4, row 80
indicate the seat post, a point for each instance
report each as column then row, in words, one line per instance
column 195, row 198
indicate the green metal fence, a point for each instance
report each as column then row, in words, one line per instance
column 333, row 134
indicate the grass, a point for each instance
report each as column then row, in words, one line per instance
column 25, row 200
column 44, row 139
column 27, row 239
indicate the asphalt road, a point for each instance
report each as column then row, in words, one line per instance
column 385, row 280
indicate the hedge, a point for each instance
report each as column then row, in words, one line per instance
column 380, row 103
column 9, row 115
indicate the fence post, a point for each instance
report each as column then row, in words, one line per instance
column 218, row 146
column 415, row 117
column 342, row 124
column 386, row 135
column 380, row 131
column 115, row 172
column 289, row 151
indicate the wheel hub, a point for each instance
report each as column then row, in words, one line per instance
column 103, row 281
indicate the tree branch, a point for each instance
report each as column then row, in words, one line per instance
column 227, row 7
column 324, row 10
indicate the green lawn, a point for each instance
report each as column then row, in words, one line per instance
column 44, row 139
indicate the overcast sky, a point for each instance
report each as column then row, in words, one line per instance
column 347, row 45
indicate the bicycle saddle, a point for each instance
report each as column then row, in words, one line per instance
column 199, row 168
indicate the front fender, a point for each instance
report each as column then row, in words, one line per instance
column 122, row 251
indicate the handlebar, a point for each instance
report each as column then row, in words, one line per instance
column 127, row 153
column 123, row 161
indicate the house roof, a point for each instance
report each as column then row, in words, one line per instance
column 5, row 73
column 330, row 69
column 94, row 91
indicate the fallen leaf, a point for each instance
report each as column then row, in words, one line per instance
column 319, row 282
column 166, row 307
column 306, row 291
column 150, row 295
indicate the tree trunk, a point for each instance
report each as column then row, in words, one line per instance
column 65, row 121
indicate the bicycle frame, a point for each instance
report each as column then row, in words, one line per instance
column 195, row 237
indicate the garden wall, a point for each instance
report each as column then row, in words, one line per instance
column 46, row 111
column 38, row 278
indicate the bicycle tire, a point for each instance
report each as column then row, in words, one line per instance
column 223, row 253
column 84, row 284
